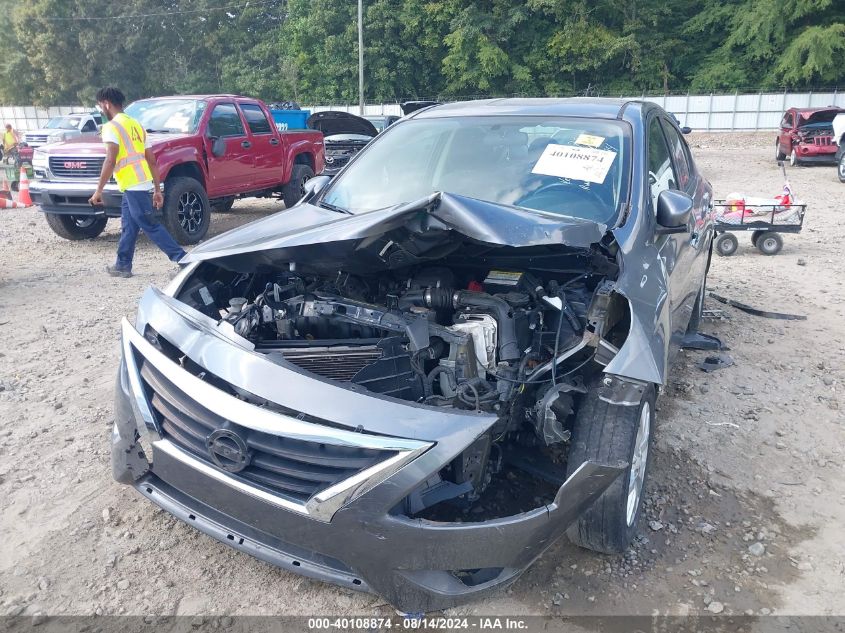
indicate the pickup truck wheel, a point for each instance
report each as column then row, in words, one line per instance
column 294, row 190
column 76, row 227
column 611, row 433
column 186, row 213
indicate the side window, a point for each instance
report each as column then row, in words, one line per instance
column 787, row 121
column 89, row 126
column 256, row 119
column 225, row 121
column 661, row 176
column 679, row 155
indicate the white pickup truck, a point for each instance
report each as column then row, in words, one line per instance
column 64, row 128
column 839, row 139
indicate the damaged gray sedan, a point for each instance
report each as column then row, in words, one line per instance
column 418, row 378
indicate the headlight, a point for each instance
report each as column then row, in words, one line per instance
column 39, row 160
column 54, row 138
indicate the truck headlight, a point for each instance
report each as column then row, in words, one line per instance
column 40, row 160
column 56, row 137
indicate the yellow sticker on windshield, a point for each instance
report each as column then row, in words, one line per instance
column 589, row 139
column 575, row 163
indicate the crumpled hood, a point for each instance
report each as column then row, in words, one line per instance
column 424, row 229
column 819, row 117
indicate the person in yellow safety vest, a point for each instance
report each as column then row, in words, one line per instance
column 131, row 161
column 10, row 139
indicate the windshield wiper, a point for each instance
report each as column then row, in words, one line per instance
column 331, row 207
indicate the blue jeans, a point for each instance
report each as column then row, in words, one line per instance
column 136, row 213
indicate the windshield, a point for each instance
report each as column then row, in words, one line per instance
column 576, row 167
column 168, row 115
column 63, row 123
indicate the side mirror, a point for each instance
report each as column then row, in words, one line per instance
column 218, row 146
column 315, row 185
column 673, row 212
column 686, row 130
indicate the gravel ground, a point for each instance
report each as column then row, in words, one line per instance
column 744, row 506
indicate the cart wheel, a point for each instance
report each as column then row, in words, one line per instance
column 755, row 236
column 726, row 244
column 769, row 243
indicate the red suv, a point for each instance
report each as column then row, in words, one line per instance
column 806, row 135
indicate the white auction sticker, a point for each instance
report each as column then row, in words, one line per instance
column 575, row 163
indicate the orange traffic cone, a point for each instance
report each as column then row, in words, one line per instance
column 10, row 204
column 23, row 189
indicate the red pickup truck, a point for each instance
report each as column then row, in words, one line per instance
column 210, row 150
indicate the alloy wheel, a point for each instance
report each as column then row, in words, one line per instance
column 638, row 463
column 191, row 212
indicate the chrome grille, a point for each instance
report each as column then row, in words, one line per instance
column 36, row 138
column 295, row 468
column 76, row 166
column 337, row 363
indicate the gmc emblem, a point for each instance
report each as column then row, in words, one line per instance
column 75, row 164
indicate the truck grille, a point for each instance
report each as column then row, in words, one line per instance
column 337, row 363
column 823, row 140
column 297, row 469
column 76, row 167
column 36, row 138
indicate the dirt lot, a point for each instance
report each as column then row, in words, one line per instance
column 745, row 502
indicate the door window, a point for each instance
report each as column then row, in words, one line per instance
column 661, row 175
column 225, row 121
column 89, row 126
column 679, row 155
column 256, row 119
column 786, row 124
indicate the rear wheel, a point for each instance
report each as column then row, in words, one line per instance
column 769, row 243
column 76, row 227
column 295, row 189
column 755, row 236
column 186, row 213
column 609, row 433
column 779, row 155
column 726, row 244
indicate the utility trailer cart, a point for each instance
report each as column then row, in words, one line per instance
column 765, row 221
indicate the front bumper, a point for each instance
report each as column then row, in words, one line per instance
column 350, row 534
column 71, row 198
column 811, row 153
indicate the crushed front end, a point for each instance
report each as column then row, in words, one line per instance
column 399, row 427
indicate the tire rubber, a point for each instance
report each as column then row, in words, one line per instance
column 174, row 188
column 223, row 207
column 65, row 226
column 606, row 433
column 292, row 192
column 726, row 244
column 769, row 243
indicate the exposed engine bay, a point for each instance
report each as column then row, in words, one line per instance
column 518, row 342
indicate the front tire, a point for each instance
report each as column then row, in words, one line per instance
column 76, row 227
column 779, row 155
column 794, row 161
column 186, row 213
column 294, row 190
column 609, row 433
column 840, row 170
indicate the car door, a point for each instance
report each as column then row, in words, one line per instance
column 785, row 135
column 673, row 249
column 266, row 145
column 227, row 172
column 694, row 249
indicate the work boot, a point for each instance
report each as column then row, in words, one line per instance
column 114, row 271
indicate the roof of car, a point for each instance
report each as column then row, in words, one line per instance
column 574, row 106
